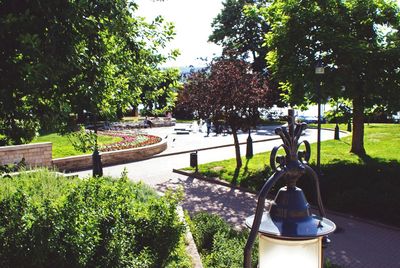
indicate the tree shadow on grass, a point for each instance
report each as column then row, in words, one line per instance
column 369, row 189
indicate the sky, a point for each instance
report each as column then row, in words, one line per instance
column 192, row 19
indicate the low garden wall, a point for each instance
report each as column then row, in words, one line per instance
column 35, row 154
column 40, row 155
column 74, row 163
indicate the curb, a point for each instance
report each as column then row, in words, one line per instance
column 213, row 180
column 209, row 148
column 191, row 248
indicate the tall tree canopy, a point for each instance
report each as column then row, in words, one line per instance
column 160, row 97
column 238, row 28
column 230, row 91
column 358, row 42
column 64, row 57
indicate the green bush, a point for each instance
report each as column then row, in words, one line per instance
column 219, row 245
column 228, row 251
column 51, row 221
column 206, row 227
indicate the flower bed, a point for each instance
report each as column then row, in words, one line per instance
column 130, row 140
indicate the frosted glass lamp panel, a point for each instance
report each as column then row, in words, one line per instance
column 280, row 253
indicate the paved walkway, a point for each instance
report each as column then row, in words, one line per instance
column 355, row 243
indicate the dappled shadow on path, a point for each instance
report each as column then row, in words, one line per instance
column 231, row 204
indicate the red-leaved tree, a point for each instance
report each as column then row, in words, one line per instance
column 228, row 90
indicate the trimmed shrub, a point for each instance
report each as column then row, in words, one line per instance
column 219, row 245
column 206, row 227
column 51, row 221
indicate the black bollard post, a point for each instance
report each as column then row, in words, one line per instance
column 337, row 132
column 349, row 125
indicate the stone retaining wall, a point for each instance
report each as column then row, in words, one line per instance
column 74, row 163
column 35, row 154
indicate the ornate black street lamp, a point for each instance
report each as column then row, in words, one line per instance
column 289, row 235
column 319, row 71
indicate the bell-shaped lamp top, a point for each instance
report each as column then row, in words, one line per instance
column 290, row 217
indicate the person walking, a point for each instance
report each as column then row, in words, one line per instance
column 208, row 123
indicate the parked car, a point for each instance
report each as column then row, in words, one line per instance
column 396, row 118
column 309, row 119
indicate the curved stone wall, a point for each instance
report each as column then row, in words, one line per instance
column 74, row 163
column 34, row 154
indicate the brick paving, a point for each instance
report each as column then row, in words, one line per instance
column 356, row 243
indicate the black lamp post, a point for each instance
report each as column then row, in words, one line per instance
column 290, row 236
column 249, row 145
column 336, row 137
column 96, row 157
column 319, row 71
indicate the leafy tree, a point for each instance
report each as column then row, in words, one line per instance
column 118, row 57
column 230, row 91
column 35, row 45
column 160, row 97
column 238, row 28
column 341, row 111
column 357, row 42
column 69, row 57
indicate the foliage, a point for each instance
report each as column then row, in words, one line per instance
column 227, row 91
column 83, row 140
column 9, row 168
column 74, row 57
column 377, row 114
column 341, row 111
column 218, row 243
column 351, row 38
column 160, row 97
column 35, row 48
column 51, row 221
column 238, row 28
column 350, row 184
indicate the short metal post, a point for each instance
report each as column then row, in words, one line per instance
column 337, row 132
column 349, row 125
column 194, row 162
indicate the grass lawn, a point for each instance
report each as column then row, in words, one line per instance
column 130, row 118
column 62, row 147
column 364, row 186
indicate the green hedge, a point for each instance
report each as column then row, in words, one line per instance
column 218, row 244
column 51, row 221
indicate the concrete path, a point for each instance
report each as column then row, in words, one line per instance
column 355, row 244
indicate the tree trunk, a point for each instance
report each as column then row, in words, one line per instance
column 237, row 149
column 357, row 144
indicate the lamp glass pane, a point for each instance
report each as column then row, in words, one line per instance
column 290, row 253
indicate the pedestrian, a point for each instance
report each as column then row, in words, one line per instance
column 147, row 122
column 208, row 123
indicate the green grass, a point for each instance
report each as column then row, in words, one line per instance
column 62, row 147
column 364, row 186
column 185, row 120
column 130, row 118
